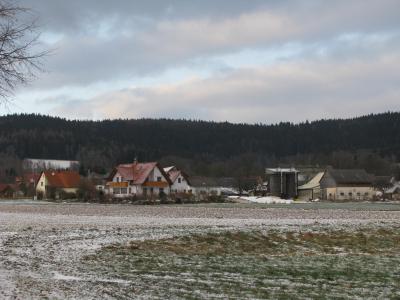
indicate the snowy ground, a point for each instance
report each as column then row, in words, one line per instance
column 43, row 247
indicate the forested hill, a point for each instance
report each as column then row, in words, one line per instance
column 110, row 141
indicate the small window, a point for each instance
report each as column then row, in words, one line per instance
column 366, row 194
column 179, row 180
column 117, row 179
column 116, row 191
column 350, row 194
column 124, row 190
column 161, row 190
column 358, row 194
column 41, row 184
column 341, row 194
column 159, row 178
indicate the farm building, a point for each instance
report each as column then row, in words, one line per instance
column 144, row 179
column 347, row 184
column 283, row 182
column 214, row 185
column 312, row 189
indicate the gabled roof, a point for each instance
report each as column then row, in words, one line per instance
column 313, row 183
column 137, row 172
column 351, row 176
column 173, row 174
column 62, row 179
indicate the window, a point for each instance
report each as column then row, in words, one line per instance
column 117, row 179
column 350, row 194
column 366, row 194
column 341, row 194
column 179, row 180
column 116, row 191
column 41, row 184
column 124, row 190
column 358, row 194
column 151, row 190
column 161, row 191
column 130, row 190
column 159, row 178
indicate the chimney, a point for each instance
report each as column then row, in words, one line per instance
column 135, row 161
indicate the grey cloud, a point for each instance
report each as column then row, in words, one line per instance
column 135, row 47
column 292, row 91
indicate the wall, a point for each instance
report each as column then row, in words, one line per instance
column 181, row 187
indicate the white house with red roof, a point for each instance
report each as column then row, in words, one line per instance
column 147, row 179
column 66, row 181
column 179, row 180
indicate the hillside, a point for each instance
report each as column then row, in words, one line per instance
column 100, row 144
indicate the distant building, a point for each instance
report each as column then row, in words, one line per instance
column 37, row 165
column 393, row 193
column 214, row 185
column 347, row 184
column 144, row 179
column 312, row 189
column 6, row 190
column 282, row 182
column 179, row 180
column 52, row 183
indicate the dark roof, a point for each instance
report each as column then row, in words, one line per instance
column 200, row 181
column 351, row 176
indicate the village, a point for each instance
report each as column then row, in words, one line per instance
column 149, row 182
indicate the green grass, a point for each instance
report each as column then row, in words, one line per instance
column 316, row 264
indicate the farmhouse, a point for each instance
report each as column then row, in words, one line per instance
column 179, row 180
column 52, row 183
column 346, row 184
column 145, row 179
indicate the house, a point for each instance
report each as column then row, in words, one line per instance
column 283, row 182
column 144, row 179
column 312, row 189
column 52, row 183
column 179, row 180
column 346, row 184
column 26, row 184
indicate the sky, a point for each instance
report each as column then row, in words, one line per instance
column 223, row 60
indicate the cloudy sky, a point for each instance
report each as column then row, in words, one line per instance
column 235, row 60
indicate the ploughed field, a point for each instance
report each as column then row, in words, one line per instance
column 92, row 251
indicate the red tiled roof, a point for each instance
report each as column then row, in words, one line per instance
column 4, row 187
column 173, row 175
column 137, row 172
column 63, row 179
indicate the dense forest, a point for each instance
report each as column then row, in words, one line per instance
column 206, row 148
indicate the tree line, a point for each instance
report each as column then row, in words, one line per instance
column 205, row 148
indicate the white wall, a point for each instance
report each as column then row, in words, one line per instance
column 180, row 187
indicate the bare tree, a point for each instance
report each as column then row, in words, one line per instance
column 19, row 61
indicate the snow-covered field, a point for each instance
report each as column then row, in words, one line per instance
column 43, row 247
